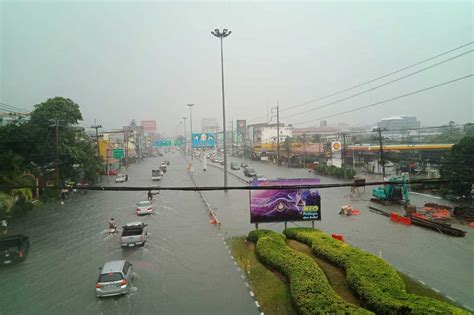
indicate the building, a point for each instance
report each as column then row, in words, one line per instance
column 399, row 122
column 209, row 125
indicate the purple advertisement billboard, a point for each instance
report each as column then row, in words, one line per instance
column 298, row 204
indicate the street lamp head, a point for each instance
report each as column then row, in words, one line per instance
column 225, row 32
column 190, row 105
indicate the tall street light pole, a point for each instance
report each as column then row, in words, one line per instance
column 191, row 125
column 223, row 35
column 185, row 139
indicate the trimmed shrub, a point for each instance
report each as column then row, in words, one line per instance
column 310, row 290
column 370, row 277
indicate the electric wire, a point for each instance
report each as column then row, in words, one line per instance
column 387, row 100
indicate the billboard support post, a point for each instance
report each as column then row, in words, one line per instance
column 312, row 224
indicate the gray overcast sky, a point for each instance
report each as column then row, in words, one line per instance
column 146, row 60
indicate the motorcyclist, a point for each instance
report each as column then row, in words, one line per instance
column 113, row 224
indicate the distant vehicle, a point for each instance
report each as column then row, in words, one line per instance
column 115, row 278
column 260, row 177
column 121, row 178
column 160, row 154
column 234, row 166
column 244, row 164
column 134, row 233
column 221, row 162
column 156, row 175
column 155, row 189
column 144, row 207
column 164, row 167
column 249, row 172
column 167, row 162
column 14, row 249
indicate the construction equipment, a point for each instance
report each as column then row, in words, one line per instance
column 395, row 191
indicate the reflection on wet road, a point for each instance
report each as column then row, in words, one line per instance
column 183, row 269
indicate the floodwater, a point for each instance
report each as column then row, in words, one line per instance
column 184, row 268
column 442, row 262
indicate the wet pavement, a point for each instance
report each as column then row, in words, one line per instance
column 442, row 262
column 184, row 268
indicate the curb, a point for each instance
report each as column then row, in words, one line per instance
column 212, row 214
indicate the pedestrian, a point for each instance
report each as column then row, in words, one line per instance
column 126, row 177
column 150, row 196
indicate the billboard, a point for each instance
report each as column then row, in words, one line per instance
column 203, row 140
column 293, row 204
column 336, row 148
column 241, row 127
column 148, row 125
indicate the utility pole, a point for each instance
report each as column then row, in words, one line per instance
column 278, row 130
column 185, row 137
column 191, row 123
column 221, row 35
column 56, row 124
column 96, row 127
column 232, row 135
column 125, row 140
column 343, row 134
column 304, row 150
column 382, row 160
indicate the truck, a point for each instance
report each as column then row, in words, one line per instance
column 14, row 249
column 156, row 175
column 134, row 234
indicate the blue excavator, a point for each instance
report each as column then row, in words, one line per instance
column 395, row 191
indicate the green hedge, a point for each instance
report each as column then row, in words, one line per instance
column 310, row 290
column 339, row 172
column 370, row 277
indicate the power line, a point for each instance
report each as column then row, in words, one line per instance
column 14, row 108
column 249, row 187
column 378, row 86
column 373, row 80
column 388, row 100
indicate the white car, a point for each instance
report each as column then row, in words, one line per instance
column 144, row 207
column 121, row 178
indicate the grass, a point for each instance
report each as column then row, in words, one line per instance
column 335, row 275
column 270, row 288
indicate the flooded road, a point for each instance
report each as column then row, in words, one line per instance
column 184, row 268
column 443, row 262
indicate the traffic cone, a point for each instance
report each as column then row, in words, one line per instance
column 213, row 221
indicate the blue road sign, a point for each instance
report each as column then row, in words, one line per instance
column 204, row 140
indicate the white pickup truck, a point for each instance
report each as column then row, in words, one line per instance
column 134, row 234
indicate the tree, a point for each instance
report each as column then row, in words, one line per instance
column 460, row 165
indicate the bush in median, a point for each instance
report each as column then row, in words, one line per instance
column 370, row 277
column 310, row 290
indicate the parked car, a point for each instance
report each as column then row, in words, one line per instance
column 144, row 207
column 244, row 164
column 115, row 278
column 167, row 162
column 134, row 233
column 234, row 166
column 259, row 177
column 249, row 172
column 14, row 249
column 156, row 175
column 121, row 178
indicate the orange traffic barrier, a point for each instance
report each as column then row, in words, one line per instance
column 404, row 220
column 338, row 237
column 394, row 217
